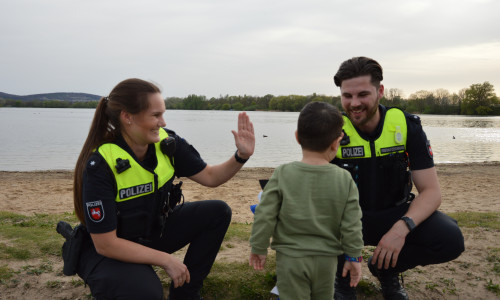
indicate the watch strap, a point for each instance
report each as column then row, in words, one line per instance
column 239, row 159
column 409, row 222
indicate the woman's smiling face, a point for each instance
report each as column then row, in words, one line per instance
column 145, row 126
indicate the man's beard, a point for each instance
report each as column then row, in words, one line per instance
column 370, row 114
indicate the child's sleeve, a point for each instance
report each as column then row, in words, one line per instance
column 265, row 217
column 350, row 226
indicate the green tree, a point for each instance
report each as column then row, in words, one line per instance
column 393, row 97
column 262, row 103
column 194, row 102
column 174, row 103
column 479, row 99
column 238, row 106
column 419, row 101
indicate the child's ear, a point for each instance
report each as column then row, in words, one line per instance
column 336, row 143
column 297, row 136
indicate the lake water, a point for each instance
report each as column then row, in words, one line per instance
column 51, row 138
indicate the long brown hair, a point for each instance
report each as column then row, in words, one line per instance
column 130, row 95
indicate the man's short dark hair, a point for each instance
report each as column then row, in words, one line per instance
column 319, row 124
column 359, row 66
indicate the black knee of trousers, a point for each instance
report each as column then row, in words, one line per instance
column 453, row 240
column 223, row 211
column 436, row 240
column 216, row 216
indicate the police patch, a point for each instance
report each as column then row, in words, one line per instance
column 429, row 149
column 136, row 190
column 353, row 151
column 95, row 211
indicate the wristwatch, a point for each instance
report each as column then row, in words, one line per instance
column 239, row 159
column 409, row 222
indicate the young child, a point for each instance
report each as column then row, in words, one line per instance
column 310, row 209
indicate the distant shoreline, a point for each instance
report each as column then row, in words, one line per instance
column 92, row 104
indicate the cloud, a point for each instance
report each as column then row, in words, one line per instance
column 244, row 47
column 451, row 68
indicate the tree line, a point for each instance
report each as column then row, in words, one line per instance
column 47, row 103
column 478, row 99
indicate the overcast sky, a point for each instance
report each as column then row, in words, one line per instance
column 237, row 47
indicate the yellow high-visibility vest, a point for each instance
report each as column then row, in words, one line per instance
column 137, row 181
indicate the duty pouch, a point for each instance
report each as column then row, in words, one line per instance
column 408, row 195
column 175, row 196
column 72, row 246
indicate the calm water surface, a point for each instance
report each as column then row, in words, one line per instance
column 51, row 138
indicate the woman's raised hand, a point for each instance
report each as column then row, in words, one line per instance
column 244, row 138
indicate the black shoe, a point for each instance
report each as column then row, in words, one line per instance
column 389, row 281
column 343, row 291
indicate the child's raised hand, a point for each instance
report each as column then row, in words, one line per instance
column 257, row 261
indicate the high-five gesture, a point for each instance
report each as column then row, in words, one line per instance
column 244, row 138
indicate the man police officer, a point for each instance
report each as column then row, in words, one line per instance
column 386, row 150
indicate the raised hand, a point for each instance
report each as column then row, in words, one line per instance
column 244, row 138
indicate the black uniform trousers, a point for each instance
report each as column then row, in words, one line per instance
column 436, row 240
column 201, row 224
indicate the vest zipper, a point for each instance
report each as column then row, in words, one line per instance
column 374, row 180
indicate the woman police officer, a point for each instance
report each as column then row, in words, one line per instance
column 123, row 181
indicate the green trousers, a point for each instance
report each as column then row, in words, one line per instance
column 309, row 277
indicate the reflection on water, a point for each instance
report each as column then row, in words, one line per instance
column 460, row 121
column 42, row 139
column 463, row 138
column 478, row 123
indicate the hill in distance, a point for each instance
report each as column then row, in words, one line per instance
column 73, row 97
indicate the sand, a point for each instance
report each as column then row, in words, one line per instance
column 465, row 187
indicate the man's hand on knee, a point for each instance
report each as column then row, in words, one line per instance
column 390, row 245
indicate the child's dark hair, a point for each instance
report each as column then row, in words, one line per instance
column 319, row 125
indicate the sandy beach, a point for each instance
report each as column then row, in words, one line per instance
column 465, row 187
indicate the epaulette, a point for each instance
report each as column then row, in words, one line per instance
column 94, row 161
column 414, row 118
